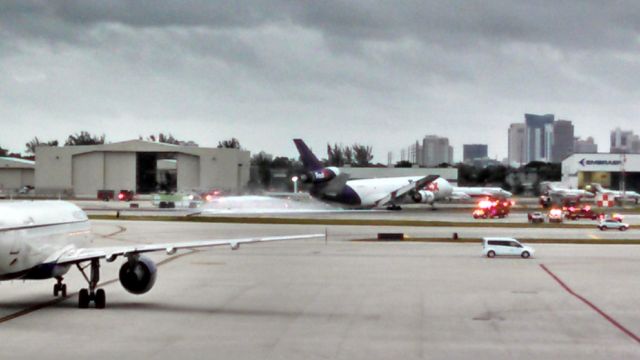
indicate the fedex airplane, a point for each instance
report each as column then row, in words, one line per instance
column 329, row 185
column 44, row 239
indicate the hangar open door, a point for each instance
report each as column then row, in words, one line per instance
column 156, row 172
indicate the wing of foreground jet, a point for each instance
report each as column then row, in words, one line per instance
column 406, row 189
column 111, row 253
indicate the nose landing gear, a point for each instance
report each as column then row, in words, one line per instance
column 59, row 288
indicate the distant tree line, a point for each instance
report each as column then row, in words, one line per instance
column 511, row 179
column 86, row 138
column 266, row 166
column 81, row 138
column 356, row 155
column 232, row 143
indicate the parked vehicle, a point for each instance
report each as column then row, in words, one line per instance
column 612, row 224
column 504, row 246
column 535, row 217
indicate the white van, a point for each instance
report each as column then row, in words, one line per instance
column 492, row 246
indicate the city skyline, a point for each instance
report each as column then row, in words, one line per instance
column 587, row 143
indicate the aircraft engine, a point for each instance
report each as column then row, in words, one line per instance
column 320, row 176
column 138, row 276
column 423, row 196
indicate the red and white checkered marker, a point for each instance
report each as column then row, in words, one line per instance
column 604, row 201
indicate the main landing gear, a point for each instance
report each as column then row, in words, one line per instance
column 59, row 288
column 86, row 296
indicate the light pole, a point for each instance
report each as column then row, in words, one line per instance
column 295, row 184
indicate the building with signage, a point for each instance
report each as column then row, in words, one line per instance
column 613, row 171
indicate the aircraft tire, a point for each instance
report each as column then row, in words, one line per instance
column 83, row 299
column 100, row 299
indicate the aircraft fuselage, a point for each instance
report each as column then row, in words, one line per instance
column 34, row 234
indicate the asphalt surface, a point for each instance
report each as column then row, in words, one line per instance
column 338, row 299
column 420, row 212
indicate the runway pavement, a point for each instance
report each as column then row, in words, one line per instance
column 443, row 212
column 340, row 300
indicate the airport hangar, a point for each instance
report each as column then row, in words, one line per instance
column 137, row 165
column 607, row 169
column 16, row 173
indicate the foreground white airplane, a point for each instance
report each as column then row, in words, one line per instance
column 43, row 239
column 618, row 195
column 467, row 193
column 553, row 194
column 331, row 186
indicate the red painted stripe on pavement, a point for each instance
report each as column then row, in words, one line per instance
column 591, row 305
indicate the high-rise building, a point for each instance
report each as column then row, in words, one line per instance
column 517, row 144
column 415, row 153
column 562, row 140
column 537, row 135
column 436, row 150
column 472, row 152
column 624, row 142
column 587, row 146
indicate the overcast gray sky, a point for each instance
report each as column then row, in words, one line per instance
column 382, row 73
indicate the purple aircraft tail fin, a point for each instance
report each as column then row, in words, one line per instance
column 310, row 161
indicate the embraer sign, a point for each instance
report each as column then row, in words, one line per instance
column 586, row 162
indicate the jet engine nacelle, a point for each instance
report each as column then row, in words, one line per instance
column 138, row 276
column 423, row 196
column 321, row 176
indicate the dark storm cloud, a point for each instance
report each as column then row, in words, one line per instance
column 566, row 23
column 286, row 66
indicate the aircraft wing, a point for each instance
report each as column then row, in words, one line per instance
column 404, row 190
column 111, row 253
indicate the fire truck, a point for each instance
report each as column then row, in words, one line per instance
column 584, row 212
column 489, row 209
